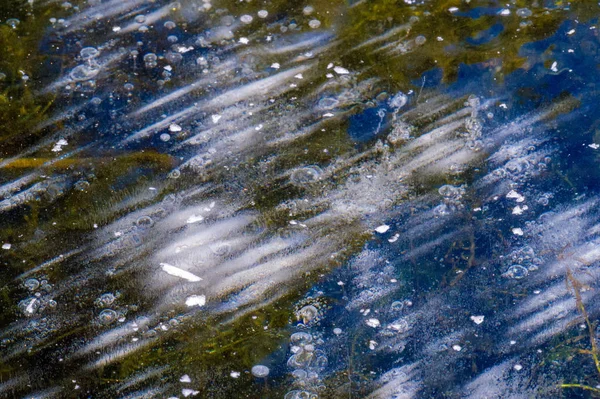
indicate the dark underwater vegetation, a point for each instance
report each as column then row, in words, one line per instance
column 300, row 200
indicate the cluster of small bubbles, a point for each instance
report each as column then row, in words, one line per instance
column 13, row 22
column 88, row 53
column 144, row 222
column 307, row 314
column 308, row 10
column 150, row 60
column 297, row 394
column 85, row 72
column 246, row 19
column 174, row 174
column 105, row 300
column 525, row 257
column 306, row 175
column 314, row 23
column 517, row 166
column 263, row 14
column 474, row 127
column 172, row 39
column 420, row 40
column 107, row 316
column 401, row 132
column 31, row 284
column 516, row 271
column 306, row 362
column 169, row 25
column 140, row 19
column 452, row 195
column 260, row 371
column 524, row 12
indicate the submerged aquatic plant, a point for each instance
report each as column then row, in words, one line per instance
column 575, row 286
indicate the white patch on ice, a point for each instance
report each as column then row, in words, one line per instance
column 195, row 300
column 340, row 70
column 477, row 319
column 188, row 392
column 59, row 145
column 177, row 272
column 194, row 219
column 515, row 195
column 517, row 231
column 373, row 323
column 382, row 229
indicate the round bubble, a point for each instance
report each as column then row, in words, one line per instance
column 170, row 25
column 524, row 12
column 106, row 299
column 246, row 19
column 221, row 249
column 306, row 175
column 308, row 10
column 87, row 53
column 399, row 100
column 263, row 14
column 84, row 72
column 13, row 22
column 517, row 272
column 150, row 57
column 174, row 174
column 420, row 40
column 314, row 23
column 328, row 103
column 107, row 316
column 145, row 222
column 260, row 371
column 165, row 137
column 140, row 19
column 32, row 284
column 301, row 338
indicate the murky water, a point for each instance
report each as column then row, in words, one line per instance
column 367, row 199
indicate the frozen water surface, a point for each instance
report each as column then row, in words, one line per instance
column 363, row 199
